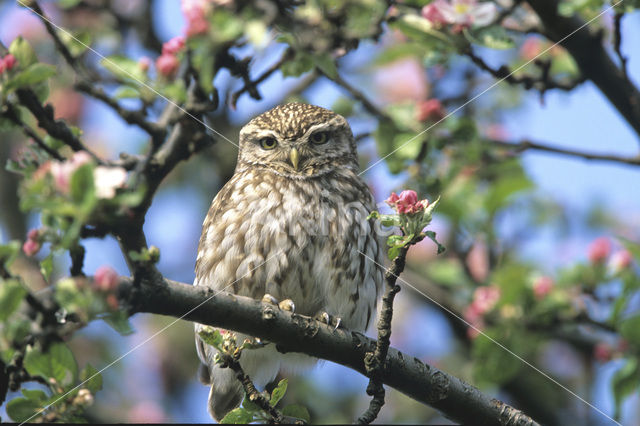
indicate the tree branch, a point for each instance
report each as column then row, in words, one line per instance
column 526, row 145
column 593, row 60
column 296, row 333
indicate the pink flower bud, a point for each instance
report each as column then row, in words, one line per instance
column 144, row 63
column 106, row 278
column 621, row 260
column 9, row 62
column 408, row 196
column 31, row 247
column 542, row 286
column 431, row 13
column 33, row 234
column 485, row 298
column 167, row 65
column 531, row 48
column 431, row 110
column 392, row 200
column 173, row 46
column 599, row 250
column 602, row 352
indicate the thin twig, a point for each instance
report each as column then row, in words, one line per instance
column 11, row 115
column 617, row 43
column 60, row 46
column 526, row 145
column 254, row 396
column 542, row 83
column 357, row 95
column 374, row 361
column 286, row 56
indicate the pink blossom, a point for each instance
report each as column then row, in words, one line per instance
column 33, row 234
column 62, row 171
column 431, row 110
column 460, row 13
column 474, row 321
column 1, row 66
column 392, row 200
column 106, row 278
column 31, row 247
column 407, row 202
column 431, row 13
column 144, row 63
column 599, row 250
column 542, row 286
column 146, row 411
column 402, row 80
column 108, row 179
column 531, row 48
column 173, row 46
column 167, row 65
column 195, row 12
column 9, row 62
column 485, row 298
column 602, row 352
column 621, row 260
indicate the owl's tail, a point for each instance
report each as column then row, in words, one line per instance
column 226, row 392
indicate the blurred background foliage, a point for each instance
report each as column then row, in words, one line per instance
column 542, row 246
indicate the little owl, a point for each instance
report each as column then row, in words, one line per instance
column 290, row 224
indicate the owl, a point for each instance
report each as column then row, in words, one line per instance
column 291, row 223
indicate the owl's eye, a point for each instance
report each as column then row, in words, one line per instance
column 319, row 138
column 268, row 143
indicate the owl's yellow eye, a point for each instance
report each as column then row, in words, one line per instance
column 319, row 138
column 268, row 143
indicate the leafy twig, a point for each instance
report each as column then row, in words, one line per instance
column 374, row 361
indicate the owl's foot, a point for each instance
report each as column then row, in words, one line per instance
column 285, row 305
column 329, row 319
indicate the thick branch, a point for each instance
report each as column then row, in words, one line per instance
column 593, row 60
column 295, row 333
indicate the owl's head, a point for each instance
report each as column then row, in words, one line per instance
column 297, row 140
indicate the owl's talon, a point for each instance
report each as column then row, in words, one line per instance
column 329, row 320
column 287, row 305
column 324, row 318
column 267, row 298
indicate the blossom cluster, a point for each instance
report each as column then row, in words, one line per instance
column 600, row 250
column 7, row 63
column 106, row 179
column 167, row 64
column 431, row 110
column 484, row 300
column 106, row 280
column 33, row 244
column 460, row 13
column 407, row 202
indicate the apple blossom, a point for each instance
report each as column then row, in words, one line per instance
column 542, row 286
column 173, row 46
column 106, row 278
column 531, row 48
column 603, row 352
column 167, row 65
column 9, row 62
column 407, row 202
column 460, row 13
column 108, row 179
column 621, row 260
column 31, row 247
column 431, row 110
column 144, row 63
column 599, row 250
column 485, row 298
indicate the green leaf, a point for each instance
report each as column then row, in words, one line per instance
column 34, row 74
column 58, row 363
column 23, row 409
column 92, row 377
column 300, row 64
column 625, row 381
column 343, row 106
column 125, row 68
column 278, row 392
column 35, row 394
column 237, row 416
column 432, row 236
column 211, row 336
column 82, row 186
column 297, row 411
column 326, row 64
column 23, row 52
column 77, row 43
column 250, row 406
column 46, row 266
column 630, row 330
column 447, row 272
column 119, row 321
column 11, row 295
column 126, row 92
column 494, row 37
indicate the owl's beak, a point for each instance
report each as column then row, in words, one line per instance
column 293, row 156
